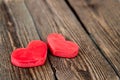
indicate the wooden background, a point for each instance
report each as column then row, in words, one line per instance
column 93, row 24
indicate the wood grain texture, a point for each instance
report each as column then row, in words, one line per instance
column 26, row 20
column 20, row 29
column 55, row 16
column 102, row 20
column 5, row 49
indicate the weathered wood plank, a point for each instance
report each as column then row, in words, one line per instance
column 102, row 20
column 5, row 49
column 55, row 16
column 20, row 29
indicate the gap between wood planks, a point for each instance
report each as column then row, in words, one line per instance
column 91, row 37
column 43, row 40
column 15, row 43
column 14, row 37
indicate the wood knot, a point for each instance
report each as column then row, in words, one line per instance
column 85, row 74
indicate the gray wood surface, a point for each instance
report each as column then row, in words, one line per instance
column 20, row 29
column 24, row 20
column 102, row 21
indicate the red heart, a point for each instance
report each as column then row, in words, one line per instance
column 34, row 55
column 60, row 47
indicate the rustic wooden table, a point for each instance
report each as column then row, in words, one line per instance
column 93, row 24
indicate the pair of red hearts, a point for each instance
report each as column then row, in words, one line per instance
column 36, row 52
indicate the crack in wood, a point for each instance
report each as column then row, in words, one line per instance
column 11, row 27
column 91, row 5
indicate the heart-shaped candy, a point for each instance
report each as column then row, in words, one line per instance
column 34, row 55
column 61, row 47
